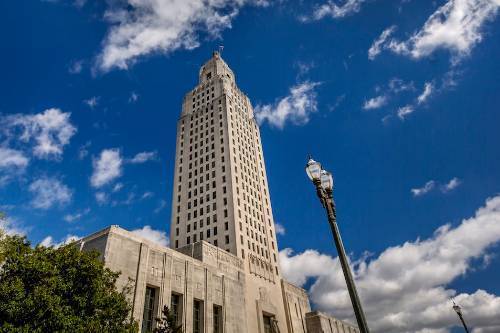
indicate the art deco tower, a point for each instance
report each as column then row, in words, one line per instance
column 220, row 190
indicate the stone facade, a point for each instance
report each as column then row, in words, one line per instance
column 322, row 323
column 202, row 273
column 222, row 272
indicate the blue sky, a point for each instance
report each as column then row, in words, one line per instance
column 399, row 99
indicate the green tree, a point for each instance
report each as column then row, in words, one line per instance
column 58, row 290
column 2, row 238
column 167, row 323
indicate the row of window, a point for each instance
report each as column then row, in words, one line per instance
column 176, row 311
column 251, row 184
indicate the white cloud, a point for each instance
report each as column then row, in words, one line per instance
column 375, row 102
column 12, row 159
column 70, row 218
column 92, row 102
column 49, row 192
column 143, row 157
column 456, row 26
column 50, row 242
column 51, row 130
column 404, row 289
column 156, row 236
column 331, row 9
column 101, row 198
column 451, row 185
column 404, row 111
column 83, row 151
column 76, row 67
column 147, row 195
column 143, row 27
column 279, row 228
column 296, row 107
column 428, row 90
column 429, row 186
column 378, row 44
column 117, row 187
column 396, row 85
column 12, row 226
column 107, row 167
column 161, row 206
column 133, row 97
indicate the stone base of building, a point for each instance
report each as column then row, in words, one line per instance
column 203, row 285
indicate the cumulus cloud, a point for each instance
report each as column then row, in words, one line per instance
column 428, row 90
column 162, row 204
column 456, row 26
column 378, row 44
column 49, row 192
column 83, row 151
column 296, row 107
column 156, row 236
column 107, row 167
column 51, row 130
column 143, row 157
column 143, row 27
column 397, row 85
column 432, row 184
column 12, row 226
column 12, row 159
column 451, row 185
column 393, row 88
column 134, row 97
column 101, row 198
column 92, row 102
column 404, row 111
column 334, row 10
column 375, row 102
column 117, row 187
column 279, row 228
column 76, row 67
column 404, row 289
column 50, row 242
column 429, row 186
column 70, row 218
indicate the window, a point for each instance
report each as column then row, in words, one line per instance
column 148, row 314
column 176, row 308
column 197, row 316
column 217, row 319
column 268, row 324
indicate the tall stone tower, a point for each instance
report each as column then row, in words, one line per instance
column 221, row 193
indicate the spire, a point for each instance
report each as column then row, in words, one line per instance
column 215, row 66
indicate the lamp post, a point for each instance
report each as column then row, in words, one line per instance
column 323, row 181
column 458, row 310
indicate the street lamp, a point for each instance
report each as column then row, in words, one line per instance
column 323, row 181
column 458, row 310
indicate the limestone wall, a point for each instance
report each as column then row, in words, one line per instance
column 318, row 322
column 297, row 305
column 143, row 263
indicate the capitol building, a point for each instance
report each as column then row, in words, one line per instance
column 221, row 273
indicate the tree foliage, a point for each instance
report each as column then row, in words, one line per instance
column 167, row 323
column 58, row 290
